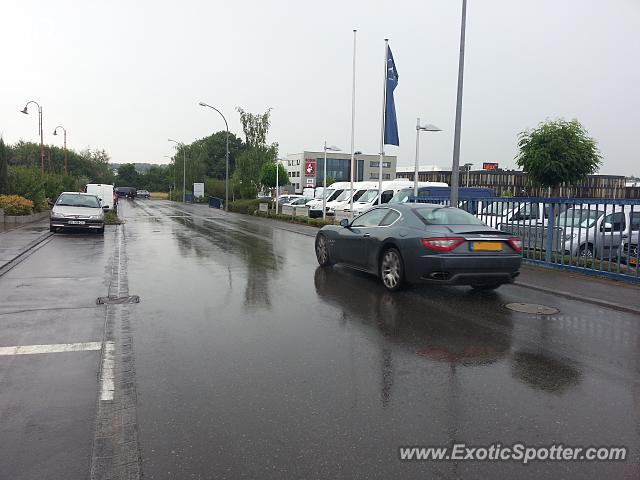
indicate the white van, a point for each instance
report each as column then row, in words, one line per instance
column 105, row 193
column 389, row 189
column 344, row 200
column 333, row 191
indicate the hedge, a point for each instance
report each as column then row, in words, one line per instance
column 16, row 205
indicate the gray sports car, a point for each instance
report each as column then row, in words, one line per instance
column 422, row 243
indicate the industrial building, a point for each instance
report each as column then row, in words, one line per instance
column 306, row 169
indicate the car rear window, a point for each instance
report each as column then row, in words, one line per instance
column 446, row 216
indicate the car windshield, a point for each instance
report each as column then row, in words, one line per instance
column 68, row 200
column 498, row 209
column 369, row 196
column 401, row 197
column 344, row 195
column 328, row 193
column 446, row 216
column 579, row 217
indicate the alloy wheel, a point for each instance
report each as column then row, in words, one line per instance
column 391, row 269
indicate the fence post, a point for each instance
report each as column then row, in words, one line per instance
column 550, row 227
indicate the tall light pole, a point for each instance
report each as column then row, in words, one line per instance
column 324, row 179
column 226, row 181
column 66, row 166
column 184, row 168
column 170, row 157
column 420, row 128
column 24, row 110
column 353, row 122
column 455, row 167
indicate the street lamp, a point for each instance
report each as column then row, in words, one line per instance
column 170, row 157
column 455, row 167
column 420, row 128
column 226, row 181
column 24, row 110
column 324, row 178
column 66, row 166
column 184, row 168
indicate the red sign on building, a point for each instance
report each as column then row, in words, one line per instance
column 489, row 166
column 309, row 168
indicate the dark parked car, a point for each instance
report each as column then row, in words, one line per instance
column 128, row 192
column 142, row 194
column 422, row 243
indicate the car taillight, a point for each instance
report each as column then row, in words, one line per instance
column 516, row 243
column 442, row 243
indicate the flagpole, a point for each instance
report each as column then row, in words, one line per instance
column 384, row 109
column 353, row 121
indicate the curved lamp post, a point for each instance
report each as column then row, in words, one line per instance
column 420, row 128
column 324, row 179
column 66, row 166
column 226, row 181
column 184, row 168
column 24, row 110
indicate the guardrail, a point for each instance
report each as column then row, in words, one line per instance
column 595, row 236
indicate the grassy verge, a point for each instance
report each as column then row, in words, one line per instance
column 159, row 195
column 111, row 218
column 314, row 222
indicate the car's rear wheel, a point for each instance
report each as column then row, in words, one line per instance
column 322, row 251
column 391, row 270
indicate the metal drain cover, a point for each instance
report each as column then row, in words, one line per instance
column 532, row 308
column 118, row 300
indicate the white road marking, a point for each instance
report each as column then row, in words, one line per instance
column 107, row 386
column 55, row 348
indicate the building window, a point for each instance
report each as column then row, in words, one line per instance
column 374, row 164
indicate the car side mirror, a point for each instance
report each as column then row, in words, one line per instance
column 344, row 222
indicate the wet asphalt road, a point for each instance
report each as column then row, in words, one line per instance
column 251, row 362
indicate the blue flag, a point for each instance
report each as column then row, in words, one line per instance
column 390, row 120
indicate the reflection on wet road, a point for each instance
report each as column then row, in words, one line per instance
column 252, row 362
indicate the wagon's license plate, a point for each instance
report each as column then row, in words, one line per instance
column 76, row 222
column 486, row 246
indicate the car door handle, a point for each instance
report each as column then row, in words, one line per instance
column 367, row 235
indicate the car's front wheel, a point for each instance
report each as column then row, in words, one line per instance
column 391, row 270
column 322, row 251
column 100, row 231
column 52, row 229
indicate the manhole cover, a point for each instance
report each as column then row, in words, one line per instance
column 531, row 308
column 118, row 300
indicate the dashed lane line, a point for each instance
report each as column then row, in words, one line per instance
column 54, row 348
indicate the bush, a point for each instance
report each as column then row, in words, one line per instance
column 16, row 205
column 111, row 218
column 248, row 205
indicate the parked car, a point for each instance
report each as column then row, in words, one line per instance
column 77, row 210
column 142, row 194
column 128, row 192
column 422, row 243
column 105, row 193
column 285, row 199
column 296, row 202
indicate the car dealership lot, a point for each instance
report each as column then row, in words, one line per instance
column 250, row 360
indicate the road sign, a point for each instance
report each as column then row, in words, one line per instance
column 311, row 181
column 489, row 166
column 198, row 190
column 310, row 168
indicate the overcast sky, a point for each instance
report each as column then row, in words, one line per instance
column 126, row 75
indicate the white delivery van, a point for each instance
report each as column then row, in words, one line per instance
column 343, row 202
column 333, row 191
column 389, row 189
column 105, row 193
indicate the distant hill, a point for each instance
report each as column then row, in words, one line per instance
column 140, row 167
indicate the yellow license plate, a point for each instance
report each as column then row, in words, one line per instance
column 486, row 246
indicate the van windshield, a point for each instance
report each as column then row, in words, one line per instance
column 402, row 196
column 344, row 195
column 369, row 196
column 579, row 217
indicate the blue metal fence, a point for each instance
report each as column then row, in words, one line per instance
column 595, row 236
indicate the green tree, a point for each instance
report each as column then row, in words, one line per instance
column 268, row 175
column 557, row 152
column 330, row 180
column 4, row 168
column 127, row 175
column 248, row 173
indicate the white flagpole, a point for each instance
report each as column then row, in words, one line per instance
column 353, row 121
column 384, row 108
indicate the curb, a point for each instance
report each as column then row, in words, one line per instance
column 28, row 250
column 580, row 298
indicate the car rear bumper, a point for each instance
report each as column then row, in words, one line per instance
column 464, row 269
